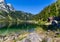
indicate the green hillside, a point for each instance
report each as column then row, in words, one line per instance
column 51, row 10
column 13, row 16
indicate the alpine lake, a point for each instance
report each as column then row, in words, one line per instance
column 16, row 27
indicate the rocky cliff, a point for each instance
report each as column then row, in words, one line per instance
column 5, row 6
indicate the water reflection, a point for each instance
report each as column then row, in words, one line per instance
column 14, row 27
column 3, row 24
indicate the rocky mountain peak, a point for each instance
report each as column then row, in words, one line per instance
column 10, row 7
column 2, row 0
column 5, row 6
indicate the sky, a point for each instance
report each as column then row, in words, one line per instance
column 30, row 6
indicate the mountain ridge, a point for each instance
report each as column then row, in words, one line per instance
column 8, row 13
column 52, row 10
column 5, row 6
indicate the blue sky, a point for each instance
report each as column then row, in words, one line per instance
column 31, row 6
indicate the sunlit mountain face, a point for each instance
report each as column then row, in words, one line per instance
column 5, row 6
column 8, row 12
column 52, row 10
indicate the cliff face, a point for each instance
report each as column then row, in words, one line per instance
column 5, row 7
column 10, row 7
column 7, row 12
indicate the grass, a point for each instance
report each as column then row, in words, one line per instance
column 39, row 30
column 58, row 35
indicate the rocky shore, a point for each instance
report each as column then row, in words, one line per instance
column 29, row 37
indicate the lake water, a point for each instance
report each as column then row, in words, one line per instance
column 14, row 27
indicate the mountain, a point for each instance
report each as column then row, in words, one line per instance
column 8, row 13
column 10, row 7
column 13, row 16
column 5, row 7
column 50, row 10
column 20, row 15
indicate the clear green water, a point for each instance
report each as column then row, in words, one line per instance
column 16, row 28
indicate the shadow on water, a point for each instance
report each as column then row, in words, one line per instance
column 13, row 27
column 50, row 27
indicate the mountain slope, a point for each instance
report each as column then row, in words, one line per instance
column 8, row 13
column 6, row 6
column 51, row 10
column 15, row 15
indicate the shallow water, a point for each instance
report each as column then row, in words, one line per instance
column 14, row 27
